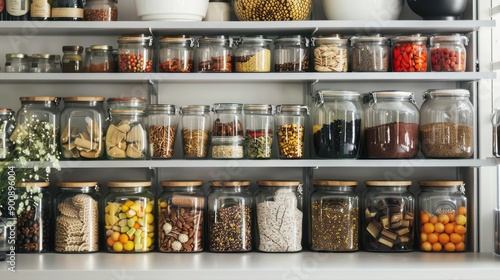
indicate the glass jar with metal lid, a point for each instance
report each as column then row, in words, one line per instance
column 388, row 223
column 176, row 54
column 181, row 220
column 227, row 131
column 7, row 126
column 259, row 130
column 252, row 54
column 215, row 54
column 369, row 53
column 448, row 53
column 101, row 59
column 330, row 53
column 72, row 60
column 290, row 120
column 42, row 63
column 83, row 124
column 334, row 216
column 442, row 216
column 391, row 125
column 100, row 10
column 135, row 53
column 447, row 124
column 129, row 217
column 77, row 217
column 229, row 216
column 279, row 216
column 409, row 53
column 291, row 54
column 162, row 129
column 17, row 63
column 196, row 130
column 337, row 124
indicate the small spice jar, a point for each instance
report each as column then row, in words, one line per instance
column 135, row 53
column 391, row 125
column 290, row 120
column 77, row 217
column 330, row 53
column 196, row 130
column 43, row 63
column 17, row 63
column 218, row 10
column 86, row 60
column 389, row 209
column 334, row 216
column 447, row 124
column 176, row 54
column 279, row 216
column 442, row 216
column 448, row 53
column 229, row 216
column 72, row 60
column 259, row 130
column 129, row 217
column 101, row 59
column 409, row 53
column 162, row 129
column 291, row 54
column 181, row 210
column 369, row 53
column 253, row 54
column 214, row 54
column 7, row 126
column 100, row 10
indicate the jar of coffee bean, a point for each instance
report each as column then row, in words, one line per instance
column 290, row 123
column 369, row 53
column 448, row 53
column 291, row 54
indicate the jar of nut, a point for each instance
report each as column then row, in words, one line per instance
column 196, row 130
column 259, row 130
column 369, row 53
column 101, row 59
column 176, row 54
column 290, row 123
column 291, row 54
column 7, row 126
column 214, row 54
column 181, row 210
column 162, row 129
column 448, row 53
column 330, row 53
column 100, row 10
column 135, row 53
column 253, row 54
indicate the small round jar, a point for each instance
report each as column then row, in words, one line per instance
column 100, row 10
column 215, row 54
column 442, row 216
column 291, row 54
column 196, row 130
column 176, row 54
column 72, row 60
column 447, row 124
column 369, row 53
column 129, row 221
column 290, row 120
column 334, row 216
column 330, row 53
column 77, row 217
column 253, row 54
column 135, row 53
column 101, row 59
column 409, row 53
column 388, row 223
column 279, row 216
column 448, row 53
column 42, row 63
column 229, row 216
column 218, row 10
column 17, row 63
column 259, row 130
column 162, row 129
column 181, row 220
column 7, row 126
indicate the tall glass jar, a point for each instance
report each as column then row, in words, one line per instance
column 448, row 53
column 135, row 53
column 447, row 124
column 291, row 54
column 101, row 59
column 369, row 53
column 290, row 123
column 279, row 216
column 337, row 124
column 100, row 10
column 259, row 130
column 162, row 129
column 17, row 63
column 229, row 216
column 214, row 54
column 77, row 217
column 253, row 54
column 129, row 221
column 72, row 60
column 330, row 53
column 83, row 127
column 334, row 216
column 391, row 125
column 389, row 209
column 42, row 63
column 442, row 216
column 409, row 53
column 7, row 126
column 181, row 221
column 196, row 130
column 176, row 54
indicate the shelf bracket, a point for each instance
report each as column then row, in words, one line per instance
column 153, row 91
column 311, row 87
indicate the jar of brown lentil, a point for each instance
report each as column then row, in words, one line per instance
column 196, row 130
column 290, row 123
column 214, row 54
column 135, row 53
column 176, row 54
column 100, row 10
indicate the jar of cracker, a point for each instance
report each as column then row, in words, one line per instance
column 196, row 130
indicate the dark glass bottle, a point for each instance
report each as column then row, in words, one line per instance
column 17, row 10
column 70, row 10
column 41, row 9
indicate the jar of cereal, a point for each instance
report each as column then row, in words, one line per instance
column 290, row 128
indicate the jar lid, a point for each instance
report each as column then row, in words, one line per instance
column 292, row 108
column 334, row 183
column 233, row 183
column 84, row 99
column 433, row 93
column 264, row 109
column 298, row 39
column 233, row 107
column 440, row 183
column 258, row 39
column 132, row 100
column 377, row 38
column 33, row 184
column 139, row 38
column 195, row 109
column 129, row 184
column 72, row 49
column 101, row 48
column 162, row 108
column 387, row 183
column 332, row 39
column 459, row 38
column 338, row 93
column 16, row 55
column 88, row 50
column 221, row 39
column 175, row 39
column 181, row 183
column 411, row 38
column 38, row 98
column 391, row 94
column 77, row 184
column 6, row 111
column 278, row 183
column 41, row 55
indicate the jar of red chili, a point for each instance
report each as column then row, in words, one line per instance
column 448, row 53
column 135, row 53
column 409, row 53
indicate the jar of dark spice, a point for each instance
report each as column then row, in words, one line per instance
column 334, row 216
column 100, row 10
column 409, row 53
column 101, row 59
column 448, row 53
column 391, row 125
column 43, row 63
column 214, row 54
column 162, row 129
column 253, row 54
column 229, row 216
column 72, row 60
column 330, row 53
column 17, row 63
column 369, row 53
column 291, row 54
column 290, row 120
column 196, row 130
column 176, row 54
column 7, row 126
column 135, row 53
column 259, row 130
column 227, row 131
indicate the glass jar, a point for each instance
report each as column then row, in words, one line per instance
column 7, row 126
column 252, row 54
column 101, row 59
column 369, row 53
column 17, row 63
column 259, row 130
column 290, row 121
column 214, row 54
column 228, row 119
column 86, row 60
column 442, row 216
column 67, row 10
column 330, row 53
column 334, row 216
column 77, row 217
column 34, row 214
column 447, row 124
column 176, row 54
column 100, row 10
column 391, row 125
column 291, row 54
column 388, row 216
column 279, row 216
column 196, row 130
column 409, row 53
column 72, row 60
column 181, row 210
column 129, row 217
column 228, row 147
column 337, row 124
column 42, row 63
column 162, row 129
column 229, row 216
column 135, row 53
column 218, row 10
column 126, row 136
column 83, row 127
column 448, row 53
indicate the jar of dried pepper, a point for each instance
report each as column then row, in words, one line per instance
column 290, row 120
column 227, row 131
column 409, row 53
column 162, row 129
column 215, row 54
column 135, row 53
column 176, row 54
column 196, row 130
column 259, row 130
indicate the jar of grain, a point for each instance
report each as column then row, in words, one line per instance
column 330, row 53
column 100, row 10
column 253, row 54
column 7, row 126
column 214, row 54
column 101, row 59
column 176, row 54
column 448, row 53
column 135, row 53
column 369, row 53
column 259, row 130
column 162, row 129
column 291, row 54
column 290, row 120
column 72, row 60
column 196, row 130
column 17, row 63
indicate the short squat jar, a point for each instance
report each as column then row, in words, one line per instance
column 43, row 63
column 291, row 54
column 135, row 53
column 100, row 10
column 253, row 54
column 259, row 130
column 369, row 53
column 7, row 126
column 330, row 53
column 101, row 59
column 409, row 53
column 290, row 120
column 17, row 63
column 177, row 54
column 72, row 60
column 196, row 131
column 162, row 130
column 215, row 54
column 448, row 53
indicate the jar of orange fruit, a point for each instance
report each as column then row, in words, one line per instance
column 442, row 216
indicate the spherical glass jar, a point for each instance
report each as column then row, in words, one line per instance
column 7, row 126
column 162, row 129
column 272, row 10
column 448, row 53
column 259, row 130
column 291, row 54
column 252, row 54
column 290, row 123
column 72, row 60
column 135, row 53
column 100, row 10
column 43, row 63
column 176, row 54
column 196, row 130
column 215, row 54
column 369, row 53
column 17, row 63
column 330, row 53
column 409, row 53
column 101, row 59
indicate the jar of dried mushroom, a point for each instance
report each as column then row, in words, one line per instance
column 290, row 123
column 135, row 53
column 228, row 119
column 100, row 10
column 279, row 216
column 291, row 54
column 162, row 129
column 447, row 124
column 330, row 53
column 101, row 59
column 77, row 217
column 126, row 136
column 196, row 130
column 388, row 222
column 83, row 127
column 215, row 54
column 176, row 54
column 369, row 53
column 181, row 210
column 229, row 216
column 252, row 54
column 259, row 130
column 7, row 126
column 129, row 221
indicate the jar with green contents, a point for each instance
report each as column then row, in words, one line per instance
column 253, row 54
column 290, row 123
column 72, row 60
column 259, row 130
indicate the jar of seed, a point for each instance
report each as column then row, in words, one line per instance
column 253, row 54
column 100, row 10
column 259, row 130
column 291, row 54
column 17, row 63
column 43, row 63
column 72, row 61
column 290, row 122
column 369, row 53
column 196, row 130
column 162, row 129
column 7, row 126
column 330, row 53
column 215, row 54
column 135, row 53
column 176, row 54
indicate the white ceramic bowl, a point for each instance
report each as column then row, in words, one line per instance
column 171, row 10
column 363, row 9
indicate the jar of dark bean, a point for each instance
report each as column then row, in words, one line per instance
column 7, row 126
column 334, row 216
column 181, row 210
column 17, row 63
column 176, row 54
column 196, row 130
column 253, row 54
column 72, row 60
column 214, row 54
column 229, row 216
column 330, row 53
column 135, row 53
column 162, row 129
column 290, row 120
column 448, row 53
column 100, row 10
column 369, row 53
column 259, row 130
column 388, row 216
column 291, row 54
column 101, row 59
column 43, row 63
